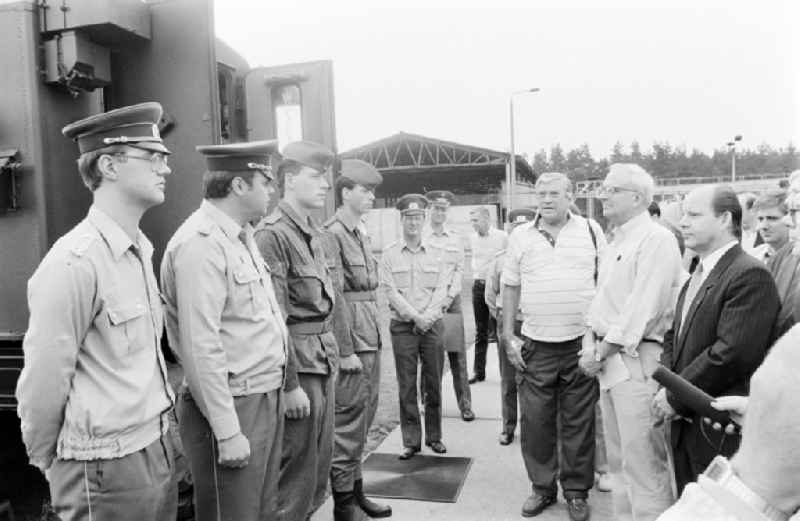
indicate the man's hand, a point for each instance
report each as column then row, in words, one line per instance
column 423, row 322
column 350, row 364
column 587, row 362
column 736, row 406
column 297, row 404
column 661, row 407
column 234, row 452
column 513, row 348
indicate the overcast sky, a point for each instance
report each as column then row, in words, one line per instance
column 691, row 73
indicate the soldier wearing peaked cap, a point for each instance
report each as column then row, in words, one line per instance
column 443, row 237
column 93, row 343
column 494, row 300
column 356, row 392
column 294, row 248
column 416, row 280
column 226, row 327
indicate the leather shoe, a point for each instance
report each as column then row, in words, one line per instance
column 437, row 447
column 371, row 508
column 476, row 378
column 536, row 504
column 505, row 438
column 578, row 509
column 408, row 452
column 467, row 415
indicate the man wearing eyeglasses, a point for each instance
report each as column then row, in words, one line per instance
column 93, row 395
column 632, row 309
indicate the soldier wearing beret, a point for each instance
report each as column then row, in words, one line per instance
column 356, row 392
column 494, row 300
column 294, row 248
column 416, row 279
column 225, row 325
column 442, row 237
column 93, row 394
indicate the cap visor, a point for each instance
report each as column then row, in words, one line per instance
column 151, row 146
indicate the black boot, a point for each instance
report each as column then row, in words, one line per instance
column 370, row 507
column 345, row 507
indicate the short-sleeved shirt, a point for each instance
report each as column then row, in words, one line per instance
column 483, row 250
column 295, row 252
column 416, row 280
column 360, row 282
column 556, row 277
column 453, row 246
column 223, row 319
column 94, row 384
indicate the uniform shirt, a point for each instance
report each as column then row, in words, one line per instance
column 294, row 250
column 223, row 320
column 360, row 282
column 483, row 250
column 416, row 280
column 556, row 277
column 454, row 254
column 640, row 276
column 94, row 384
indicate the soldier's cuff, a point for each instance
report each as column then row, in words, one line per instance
column 225, row 425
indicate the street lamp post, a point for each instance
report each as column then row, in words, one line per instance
column 511, row 177
column 732, row 146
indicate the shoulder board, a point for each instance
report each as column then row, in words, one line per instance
column 205, row 227
column 391, row 245
column 82, row 244
column 499, row 254
column 272, row 218
column 329, row 222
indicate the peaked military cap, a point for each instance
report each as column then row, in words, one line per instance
column 135, row 125
column 521, row 216
column 440, row 197
column 411, row 203
column 310, row 154
column 361, row 172
column 238, row 157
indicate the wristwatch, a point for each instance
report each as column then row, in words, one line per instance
column 721, row 472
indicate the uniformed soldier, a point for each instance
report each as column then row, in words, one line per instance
column 494, row 300
column 356, row 393
column 416, row 280
column 452, row 244
column 93, row 394
column 225, row 325
column 293, row 246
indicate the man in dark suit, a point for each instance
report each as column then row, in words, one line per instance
column 721, row 330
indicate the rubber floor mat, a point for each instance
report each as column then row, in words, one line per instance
column 422, row 478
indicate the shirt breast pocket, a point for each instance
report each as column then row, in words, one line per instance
column 430, row 275
column 402, row 277
column 129, row 327
column 247, row 297
column 305, row 284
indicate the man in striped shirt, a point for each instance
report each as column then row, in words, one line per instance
column 550, row 274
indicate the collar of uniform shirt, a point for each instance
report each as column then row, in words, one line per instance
column 347, row 220
column 307, row 227
column 115, row 237
column 421, row 246
column 228, row 226
column 444, row 233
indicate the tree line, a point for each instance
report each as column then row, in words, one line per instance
column 664, row 160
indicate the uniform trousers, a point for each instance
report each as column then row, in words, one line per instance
column 508, row 381
column 484, row 325
column 637, row 451
column 307, row 451
column 356, row 404
column 137, row 486
column 553, row 387
column 458, row 370
column 235, row 494
column 409, row 348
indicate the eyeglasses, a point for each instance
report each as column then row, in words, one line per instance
column 613, row 190
column 155, row 159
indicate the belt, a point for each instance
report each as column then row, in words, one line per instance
column 599, row 338
column 310, row 328
column 360, row 296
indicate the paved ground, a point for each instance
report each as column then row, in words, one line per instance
column 497, row 484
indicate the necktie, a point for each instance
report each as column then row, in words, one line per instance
column 691, row 292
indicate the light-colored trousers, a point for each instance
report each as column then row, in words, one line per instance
column 638, row 453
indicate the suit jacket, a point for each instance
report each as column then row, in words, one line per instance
column 727, row 333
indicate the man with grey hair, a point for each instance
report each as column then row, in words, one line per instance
column 550, row 273
column 632, row 309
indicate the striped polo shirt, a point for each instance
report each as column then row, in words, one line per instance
column 556, row 277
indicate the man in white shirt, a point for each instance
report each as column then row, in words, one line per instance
column 628, row 317
column 751, row 239
column 762, row 481
column 484, row 243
